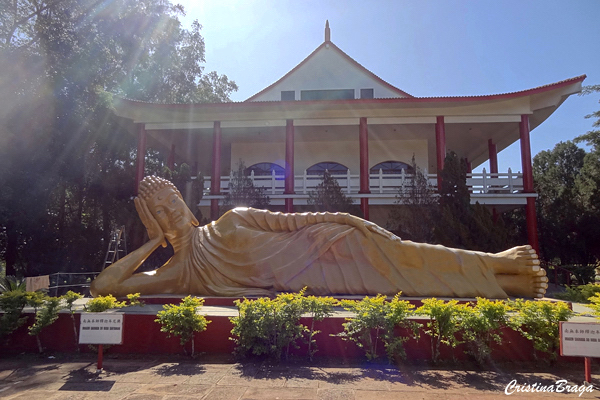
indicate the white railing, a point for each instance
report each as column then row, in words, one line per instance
column 380, row 183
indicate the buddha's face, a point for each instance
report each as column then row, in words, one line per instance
column 171, row 212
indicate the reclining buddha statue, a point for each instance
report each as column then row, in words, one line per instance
column 250, row 252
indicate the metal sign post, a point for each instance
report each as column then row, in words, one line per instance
column 581, row 339
column 101, row 328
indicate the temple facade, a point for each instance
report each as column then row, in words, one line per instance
column 331, row 113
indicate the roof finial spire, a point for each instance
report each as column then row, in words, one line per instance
column 327, row 32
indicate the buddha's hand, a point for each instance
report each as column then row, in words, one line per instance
column 155, row 232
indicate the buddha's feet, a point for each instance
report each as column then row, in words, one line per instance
column 519, row 274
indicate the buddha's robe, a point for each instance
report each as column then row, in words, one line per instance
column 254, row 252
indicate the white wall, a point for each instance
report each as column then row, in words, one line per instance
column 328, row 69
column 253, row 153
column 307, row 154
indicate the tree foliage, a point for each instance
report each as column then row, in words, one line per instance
column 561, row 208
column 377, row 319
column 183, row 320
column 461, row 224
column 242, row 192
column 45, row 316
column 67, row 165
column 538, row 321
column 447, row 217
column 413, row 215
column 444, row 323
column 328, row 196
column 482, row 326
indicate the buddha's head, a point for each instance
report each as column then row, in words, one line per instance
column 167, row 206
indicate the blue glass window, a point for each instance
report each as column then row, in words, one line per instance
column 265, row 168
column 392, row 167
column 333, row 168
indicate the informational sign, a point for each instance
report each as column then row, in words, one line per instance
column 101, row 328
column 580, row 339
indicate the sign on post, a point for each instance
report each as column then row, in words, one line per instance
column 101, row 328
column 580, row 339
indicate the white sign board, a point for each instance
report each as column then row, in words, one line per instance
column 101, row 328
column 580, row 339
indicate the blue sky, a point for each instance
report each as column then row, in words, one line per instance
column 424, row 47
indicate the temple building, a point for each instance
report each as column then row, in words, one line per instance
column 331, row 113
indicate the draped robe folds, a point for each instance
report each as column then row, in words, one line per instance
column 254, row 252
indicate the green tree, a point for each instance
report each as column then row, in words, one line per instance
column 589, row 179
column 242, row 192
column 560, row 208
column 460, row 224
column 413, row 215
column 65, row 178
column 328, row 196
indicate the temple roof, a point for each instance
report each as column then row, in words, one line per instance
column 329, row 68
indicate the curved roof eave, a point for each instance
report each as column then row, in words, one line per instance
column 126, row 106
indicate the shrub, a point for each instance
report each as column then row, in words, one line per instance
column 538, row 321
column 318, row 309
column 70, row 298
column 45, row 316
column 36, row 300
column 579, row 294
column 103, row 303
column 183, row 320
column 595, row 304
column 134, row 300
column 267, row 327
column 12, row 303
column 481, row 325
column 10, row 282
column 444, row 323
column 377, row 319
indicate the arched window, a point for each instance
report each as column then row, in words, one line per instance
column 392, row 167
column 333, row 168
column 265, row 168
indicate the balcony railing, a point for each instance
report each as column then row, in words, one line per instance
column 380, row 183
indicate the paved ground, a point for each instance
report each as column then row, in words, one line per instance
column 177, row 378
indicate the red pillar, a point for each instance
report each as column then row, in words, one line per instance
column 215, row 177
column 531, row 217
column 440, row 146
column 363, row 140
column 289, row 165
column 141, row 154
column 493, row 154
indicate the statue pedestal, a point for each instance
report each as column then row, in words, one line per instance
column 142, row 335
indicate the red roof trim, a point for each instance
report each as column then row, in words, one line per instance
column 502, row 96
column 353, row 61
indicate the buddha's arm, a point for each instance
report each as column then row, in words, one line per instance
column 118, row 278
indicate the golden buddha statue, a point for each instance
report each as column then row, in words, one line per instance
column 249, row 252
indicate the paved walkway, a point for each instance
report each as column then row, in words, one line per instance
column 32, row 378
